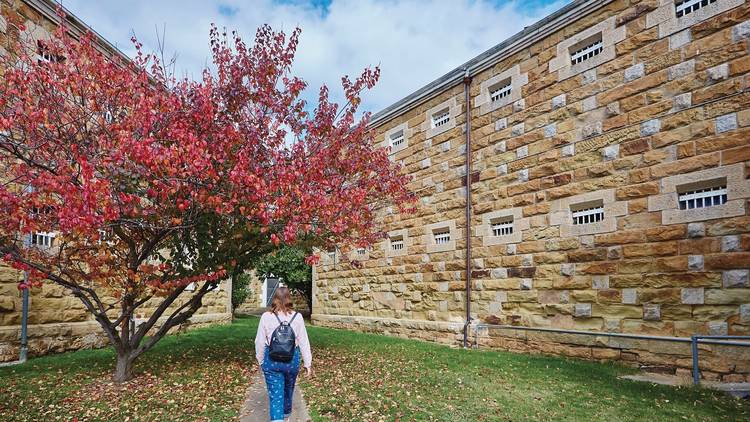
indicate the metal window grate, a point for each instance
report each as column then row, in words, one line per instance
column 440, row 118
column 502, row 227
column 442, row 237
column 685, row 7
column 43, row 240
column 587, row 52
column 397, row 139
column 588, row 215
column 500, row 91
column 703, row 198
column 361, row 251
column 397, row 244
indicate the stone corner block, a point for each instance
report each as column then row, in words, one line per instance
column 650, row 127
column 696, row 230
column 692, row 296
column 726, row 123
column 735, row 278
column 582, row 310
column 651, row 312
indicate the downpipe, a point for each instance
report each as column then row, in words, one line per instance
column 467, row 91
column 24, row 352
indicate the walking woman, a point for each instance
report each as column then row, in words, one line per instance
column 279, row 344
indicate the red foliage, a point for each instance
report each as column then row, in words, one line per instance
column 115, row 156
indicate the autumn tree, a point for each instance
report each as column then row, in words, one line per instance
column 151, row 183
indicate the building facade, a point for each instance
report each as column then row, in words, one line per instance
column 57, row 320
column 608, row 172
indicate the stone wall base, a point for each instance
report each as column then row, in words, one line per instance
column 443, row 332
column 61, row 337
column 717, row 363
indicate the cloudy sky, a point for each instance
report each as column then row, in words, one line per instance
column 413, row 41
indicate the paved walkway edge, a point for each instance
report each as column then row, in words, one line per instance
column 255, row 408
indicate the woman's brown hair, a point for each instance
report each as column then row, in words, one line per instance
column 282, row 300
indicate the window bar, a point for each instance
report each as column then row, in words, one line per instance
column 587, row 52
column 500, row 92
column 703, row 198
column 686, row 7
column 397, row 139
column 502, row 228
column 442, row 237
column 588, row 215
column 397, row 244
column 441, row 118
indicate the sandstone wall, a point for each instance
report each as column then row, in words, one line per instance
column 662, row 110
column 58, row 321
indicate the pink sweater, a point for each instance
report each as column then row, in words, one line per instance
column 268, row 323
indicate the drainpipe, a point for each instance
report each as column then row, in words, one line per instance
column 467, row 91
column 24, row 352
column 23, row 355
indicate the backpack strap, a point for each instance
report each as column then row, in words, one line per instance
column 293, row 316
column 277, row 317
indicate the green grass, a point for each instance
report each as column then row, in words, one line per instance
column 202, row 375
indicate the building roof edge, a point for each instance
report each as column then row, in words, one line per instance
column 48, row 8
column 487, row 59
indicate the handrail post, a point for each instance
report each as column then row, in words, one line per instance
column 694, row 348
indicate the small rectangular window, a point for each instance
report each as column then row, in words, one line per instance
column 442, row 236
column 44, row 55
column 502, row 226
column 440, row 118
column 586, row 49
column 397, row 243
column 500, row 90
column 361, row 251
column 685, row 7
column 43, row 240
column 397, row 138
column 587, row 213
column 703, row 195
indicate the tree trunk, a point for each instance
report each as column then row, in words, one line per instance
column 124, row 368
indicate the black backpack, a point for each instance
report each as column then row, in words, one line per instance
column 283, row 341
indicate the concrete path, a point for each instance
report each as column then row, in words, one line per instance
column 255, row 408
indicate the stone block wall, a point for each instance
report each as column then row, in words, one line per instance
column 58, row 321
column 661, row 112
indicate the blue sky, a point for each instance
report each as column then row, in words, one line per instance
column 413, row 41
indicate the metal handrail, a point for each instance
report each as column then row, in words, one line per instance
column 693, row 340
column 711, row 340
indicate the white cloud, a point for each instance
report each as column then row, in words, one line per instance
column 414, row 42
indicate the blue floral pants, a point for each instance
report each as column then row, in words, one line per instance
column 280, row 380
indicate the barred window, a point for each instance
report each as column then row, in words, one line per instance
column 397, row 138
column 586, row 49
column 588, row 213
column 440, row 118
column 685, row 7
column 502, row 226
column 361, row 251
column 43, row 240
column 710, row 195
column 442, row 236
column 397, row 243
column 500, row 90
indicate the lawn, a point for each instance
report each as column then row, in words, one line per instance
column 202, row 375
